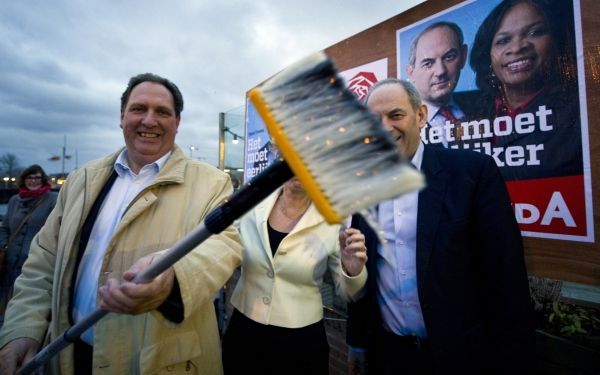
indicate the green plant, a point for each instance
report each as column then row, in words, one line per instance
column 566, row 319
column 555, row 316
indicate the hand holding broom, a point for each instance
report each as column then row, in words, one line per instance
column 339, row 151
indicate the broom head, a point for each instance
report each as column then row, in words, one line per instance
column 339, row 150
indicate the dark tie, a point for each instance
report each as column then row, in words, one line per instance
column 447, row 113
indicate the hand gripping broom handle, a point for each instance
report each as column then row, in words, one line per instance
column 215, row 222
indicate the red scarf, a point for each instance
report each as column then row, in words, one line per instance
column 26, row 193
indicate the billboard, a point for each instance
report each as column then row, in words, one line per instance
column 505, row 80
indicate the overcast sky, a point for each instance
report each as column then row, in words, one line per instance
column 64, row 64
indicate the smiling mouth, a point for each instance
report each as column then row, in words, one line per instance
column 148, row 135
column 519, row 65
column 441, row 84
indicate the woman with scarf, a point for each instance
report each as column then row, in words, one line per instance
column 25, row 215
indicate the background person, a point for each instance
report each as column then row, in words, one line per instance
column 277, row 325
column 524, row 58
column 113, row 217
column 26, row 213
column 448, row 293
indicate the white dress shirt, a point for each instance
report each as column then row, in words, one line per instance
column 397, row 290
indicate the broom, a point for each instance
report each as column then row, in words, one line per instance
column 339, row 151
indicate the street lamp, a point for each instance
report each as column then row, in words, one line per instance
column 236, row 137
column 192, row 148
column 6, row 179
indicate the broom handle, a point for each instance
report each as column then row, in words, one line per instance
column 215, row 222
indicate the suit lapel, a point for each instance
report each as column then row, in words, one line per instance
column 430, row 208
column 262, row 212
column 310, row 218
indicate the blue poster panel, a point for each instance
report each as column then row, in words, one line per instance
column 259, row 151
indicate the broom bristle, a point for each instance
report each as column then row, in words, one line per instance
column 337, row 148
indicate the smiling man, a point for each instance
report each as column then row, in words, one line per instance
column 149, row 122
column 437, row 56
column 447, row 290
column 113, row 217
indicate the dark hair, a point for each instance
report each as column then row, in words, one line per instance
column 150, row 77
column 412, row 56
column 32, row 169
column 413, row 95
column 559, row 19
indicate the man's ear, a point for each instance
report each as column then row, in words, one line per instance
column 409, row 70
column 422, row 115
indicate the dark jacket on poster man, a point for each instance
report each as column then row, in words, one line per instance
column 471, row 276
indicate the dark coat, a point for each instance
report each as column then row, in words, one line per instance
column 471, row 275
column 18, row 250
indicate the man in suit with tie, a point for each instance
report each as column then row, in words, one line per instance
column 437, row 56
column 447, row 292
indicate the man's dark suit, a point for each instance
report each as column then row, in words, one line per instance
column 471, row 276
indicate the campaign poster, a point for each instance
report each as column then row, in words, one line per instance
column 507, row 80
column 258, row 150
column 360, row 79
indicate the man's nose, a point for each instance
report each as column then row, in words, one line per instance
column 439, row 68
column 386, row 123
column 150, row 118
column 388, row 126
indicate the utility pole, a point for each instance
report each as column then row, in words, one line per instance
column 221, row 140
column 64, row 154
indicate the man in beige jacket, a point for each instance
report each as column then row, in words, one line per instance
column 112, row 218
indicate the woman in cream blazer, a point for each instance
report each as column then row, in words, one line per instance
column 277, row 325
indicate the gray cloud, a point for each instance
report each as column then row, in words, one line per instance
column 64, row 64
